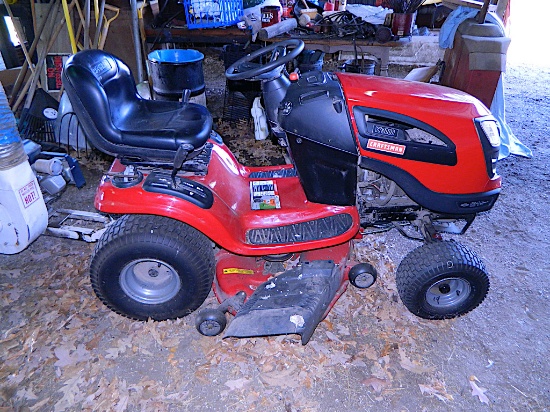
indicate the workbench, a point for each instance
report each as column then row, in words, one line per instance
column 223, row 35
column 345, row 44
column 312, row 41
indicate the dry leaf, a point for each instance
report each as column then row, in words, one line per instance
column 122, row 345
column 412, row 366
column 26, row 393
column 478, row 391
column 39, row 405
column 437, row 391
column 342, row 329
column 370, row 353
column 68, row 356
column 339, row 358
column 328, row 324
column 72, row 394
column 333, row 337
column 122, row 404
column 237, row 383
column 377, row 384
column 285, row 378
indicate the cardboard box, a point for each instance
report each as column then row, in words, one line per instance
column 8, row 78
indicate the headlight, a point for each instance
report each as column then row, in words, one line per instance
column 489, row 136
column 490, row 129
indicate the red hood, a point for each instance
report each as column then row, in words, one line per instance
column 448, row 110
column 404, row 96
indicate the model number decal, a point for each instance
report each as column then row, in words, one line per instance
column 398, row 149
column 385, row 131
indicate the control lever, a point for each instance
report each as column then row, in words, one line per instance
column 181, row 154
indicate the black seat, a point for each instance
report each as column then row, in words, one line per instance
column 119, row 122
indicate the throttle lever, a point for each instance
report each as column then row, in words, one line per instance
column 181, row 154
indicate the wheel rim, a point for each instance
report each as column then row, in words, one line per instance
column 150, row 281
column 210, row 328
column 448, row 293
column 364, row 280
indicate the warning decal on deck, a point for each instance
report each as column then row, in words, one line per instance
column 228, row 271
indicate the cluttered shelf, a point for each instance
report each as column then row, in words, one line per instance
column 380, row 50
column 224, row 35
column 359, row 29
column 313, row 41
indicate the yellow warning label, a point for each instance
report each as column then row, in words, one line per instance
column 228, row 271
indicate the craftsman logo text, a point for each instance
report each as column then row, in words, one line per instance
column 398, row 149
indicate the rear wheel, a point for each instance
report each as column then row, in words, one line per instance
column 442, row 280
column 152, row 267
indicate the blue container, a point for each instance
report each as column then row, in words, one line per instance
column 201, row 14
column 8, row 128
column 11, row 147
column 174, row 70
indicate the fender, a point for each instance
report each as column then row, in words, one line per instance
column 230, row 222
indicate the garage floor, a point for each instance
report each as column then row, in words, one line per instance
column 62, row 350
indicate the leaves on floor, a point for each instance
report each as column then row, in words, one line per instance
column 60, row 347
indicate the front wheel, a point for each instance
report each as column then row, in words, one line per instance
column 442, row 280
column 210, row 322
column 362, row 275
column 152, row 267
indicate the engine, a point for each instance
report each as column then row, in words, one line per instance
column 380, row 200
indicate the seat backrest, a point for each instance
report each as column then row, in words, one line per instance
column 101, row 90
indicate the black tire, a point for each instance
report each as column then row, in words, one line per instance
column 152, row 267
column 210, row 322
column 442, row 280
column 362, row 275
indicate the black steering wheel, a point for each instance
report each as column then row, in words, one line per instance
column 244, row 68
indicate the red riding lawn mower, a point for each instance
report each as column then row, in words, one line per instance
column 369, row 154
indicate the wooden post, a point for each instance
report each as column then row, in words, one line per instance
column 501, row 8
column 480, row 18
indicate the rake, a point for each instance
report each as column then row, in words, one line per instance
column 37, row 122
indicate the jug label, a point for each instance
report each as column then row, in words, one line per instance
column 29, row 194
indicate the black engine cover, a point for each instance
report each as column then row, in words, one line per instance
column 318, row 130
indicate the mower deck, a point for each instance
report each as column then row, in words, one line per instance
column 292, row 303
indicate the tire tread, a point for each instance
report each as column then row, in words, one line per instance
column 424, row 262
column 160, row 230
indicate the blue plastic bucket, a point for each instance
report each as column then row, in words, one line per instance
column 174, row 70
